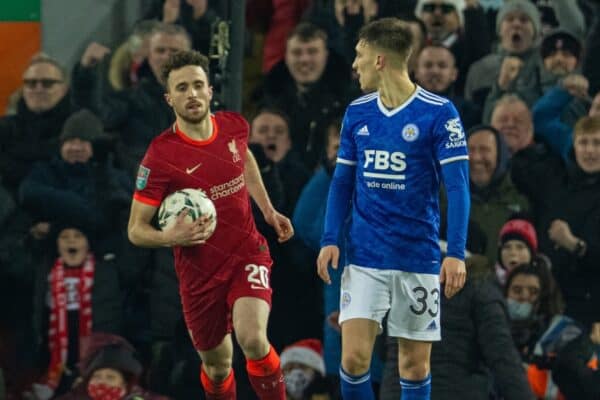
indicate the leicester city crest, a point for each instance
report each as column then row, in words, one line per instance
column 410, row 132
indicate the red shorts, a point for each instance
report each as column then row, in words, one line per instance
column 208, row 314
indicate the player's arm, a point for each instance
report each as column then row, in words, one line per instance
column 141, row 232
column 258, row 192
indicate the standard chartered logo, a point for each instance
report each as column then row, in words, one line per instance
column 385, row 165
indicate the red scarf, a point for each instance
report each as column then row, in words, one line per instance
column 58, row 335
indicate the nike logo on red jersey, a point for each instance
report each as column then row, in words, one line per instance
column 191, row 170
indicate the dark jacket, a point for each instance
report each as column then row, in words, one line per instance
column 91, row 194
column 571, row 372
column 28, row 137
column 308, row 111
column 564, row 192
column 136, row 393
column 138, row 114
column 476, row 351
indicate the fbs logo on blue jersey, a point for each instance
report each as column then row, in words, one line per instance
column 410, row 132
column 142, row 178
column 456, row 135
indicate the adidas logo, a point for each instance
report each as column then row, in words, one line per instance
column 364, row 131
column 432, row 326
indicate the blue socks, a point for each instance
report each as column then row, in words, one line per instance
column 416, row 390
column 356, row 387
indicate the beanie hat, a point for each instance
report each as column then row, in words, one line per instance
column 105, row 350
column 524, row 6
column 561, row 39
column 519, row 229
column 459, row 6
column 307, row 352
column 82, row 125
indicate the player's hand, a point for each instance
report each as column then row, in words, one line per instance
column 328, row 254
column 333, row 320
column 93, row 54
column 186, row 234
column 282, row 225
column 508, row 71
column 453, row 275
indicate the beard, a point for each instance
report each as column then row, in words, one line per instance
column 191, row 118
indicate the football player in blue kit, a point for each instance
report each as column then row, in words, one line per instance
column 397, row 143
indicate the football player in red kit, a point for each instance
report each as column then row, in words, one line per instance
column 224, row 278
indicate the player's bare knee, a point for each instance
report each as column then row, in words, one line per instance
column 413, row 369
column 356, row 362
column 254, row 346
column 217, row 371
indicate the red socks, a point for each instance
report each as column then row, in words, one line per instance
column 218, row 391
column 266, row 377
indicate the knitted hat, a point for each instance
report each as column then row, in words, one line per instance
column 561, row 39
column 459, row 6
column 519, row 229
column 83, row 125
column 524, row 6
column 307, row 352
column 105, row 350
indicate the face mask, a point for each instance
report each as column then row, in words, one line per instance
column 296, row 381
column 518, row 311
column 101, row 391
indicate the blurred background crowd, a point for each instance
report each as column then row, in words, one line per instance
column 85, row 315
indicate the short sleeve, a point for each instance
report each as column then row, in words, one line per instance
column 347, row 151
column 152, row 179
column 450, row 142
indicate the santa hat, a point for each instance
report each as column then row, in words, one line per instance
column 519, row 229
column 307, row 352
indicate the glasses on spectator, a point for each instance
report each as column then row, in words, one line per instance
column 46, row 83
column 444, row 7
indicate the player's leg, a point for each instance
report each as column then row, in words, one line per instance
column 413, row 366
column 364, row 301
column 415, row 320
column 250, row 316
column 217, row 375
column 358, row 338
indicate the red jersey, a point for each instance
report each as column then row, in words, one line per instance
column 174, row 161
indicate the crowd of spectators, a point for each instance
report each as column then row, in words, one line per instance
column 86, row 315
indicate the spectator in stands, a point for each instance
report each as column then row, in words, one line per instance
column 476, row 353
column 552, row 126
column 565, row 203
column 79, row 186
column 515, row 65
column 576, row 370
column 512, row 118
column 493, row 196
column 137, row 114
column 77, row 293
column 517, row 245
column 561, row 53
column 270, row 129
column 32, row 134
column 436, row 72
column 109, row 371
column 196, row 16
column 310, row 86
column 460, row 26
column 538, row 327
column 128, row 64
column 304, row 371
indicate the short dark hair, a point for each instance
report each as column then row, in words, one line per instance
column 184, row 58
column 389, row 34
column 269, row 109
column 586, row 125
column 306, row 31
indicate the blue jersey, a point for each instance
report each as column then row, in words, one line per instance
column 398, row 155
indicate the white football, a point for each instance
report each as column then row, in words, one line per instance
column 194, row 200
